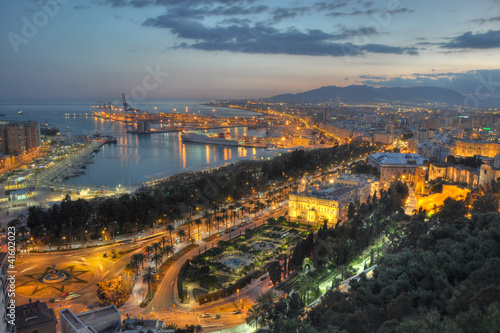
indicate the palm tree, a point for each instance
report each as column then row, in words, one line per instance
column 139, row 258
column 218, row 219
column 208, row 223
column 224, row 215
column 181, row 233
column 148, row 249
column 189, row 222
column 156, row 246
column 149, row 277
column 198, row 223
column 166, row 250
column 255, row 313
column 129, row 272
column 234, row 218
column 156, row 258
column 306, row 286
column 265, row 303
column 135, row 266
column 170, row 228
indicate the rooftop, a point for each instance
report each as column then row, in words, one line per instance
column 398, row 159
column 34, row 316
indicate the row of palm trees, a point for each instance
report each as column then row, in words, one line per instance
column 155, row 253
column 258, row 313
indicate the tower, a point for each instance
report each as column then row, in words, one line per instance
column 68, row 134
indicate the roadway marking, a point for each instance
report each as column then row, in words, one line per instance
column 29, row 268
column 107, row 272
column 165, row 315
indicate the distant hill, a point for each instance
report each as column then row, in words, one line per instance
column 363, row 94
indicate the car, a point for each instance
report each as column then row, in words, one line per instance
column 206, row 315
column 65, row 294
column 54, row 300
column 235, row 312
column 270, row 283
column 217, row 316
column 73, row 296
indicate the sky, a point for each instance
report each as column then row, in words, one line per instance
column 227, row 49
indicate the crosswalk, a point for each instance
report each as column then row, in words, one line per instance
column 163, row 315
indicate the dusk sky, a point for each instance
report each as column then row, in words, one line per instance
column 214, row 49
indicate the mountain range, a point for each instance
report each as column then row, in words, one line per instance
column 363, row 94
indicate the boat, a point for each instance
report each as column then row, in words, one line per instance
column 223, row 138
column 49, row 130
column 20, row 112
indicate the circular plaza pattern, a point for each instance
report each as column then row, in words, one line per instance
column 54, row 281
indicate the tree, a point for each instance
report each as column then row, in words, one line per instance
column 181, row 233
column 170, row 228
column 149, row 277
column 157, row 258
column 351, row 211
column 208, row 224
column 275, row 272
column 198, row 222
column 485, row 204
column 167, row 250
column 452, row 210
column 139, row 258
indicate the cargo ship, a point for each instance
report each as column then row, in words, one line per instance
column 223, row 138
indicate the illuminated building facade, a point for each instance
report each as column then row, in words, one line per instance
column 475, row 147
column 393, row 165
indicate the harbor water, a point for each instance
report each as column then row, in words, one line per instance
column 136, row 158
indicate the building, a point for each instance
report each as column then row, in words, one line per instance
column 367, row 184
column 4, row 294
column 412, row 145
column 488, row 174
column 315, row 206
column 467, row 148
column 13, row 138
column 383, row 138
column 105, row 319
column 456, row 173
column 35, row 317
column 423, row 134
column 32, row 135
column 394, row 165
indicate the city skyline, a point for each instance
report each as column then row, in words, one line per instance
column 153, row 49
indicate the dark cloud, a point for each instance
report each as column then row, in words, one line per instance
column 350, row 33
column 327, row 6
column 488, row 20
column 280, row 14
column 373, row 77
column 266, row 39
column 235, row 20
column 238, row 10
column 465, row 82
column 370, row 12
column 486, row 40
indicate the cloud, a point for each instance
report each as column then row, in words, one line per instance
column 485, row 40
column 370, row 12
column 266, row 39
column 463, row 82
column 326, row 6
column 482, row 20
column 238, row 10
column 280, row 14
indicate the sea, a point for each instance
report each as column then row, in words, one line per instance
column 137, row 158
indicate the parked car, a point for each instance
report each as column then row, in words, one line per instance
column 206, row 315
column 235, row 312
